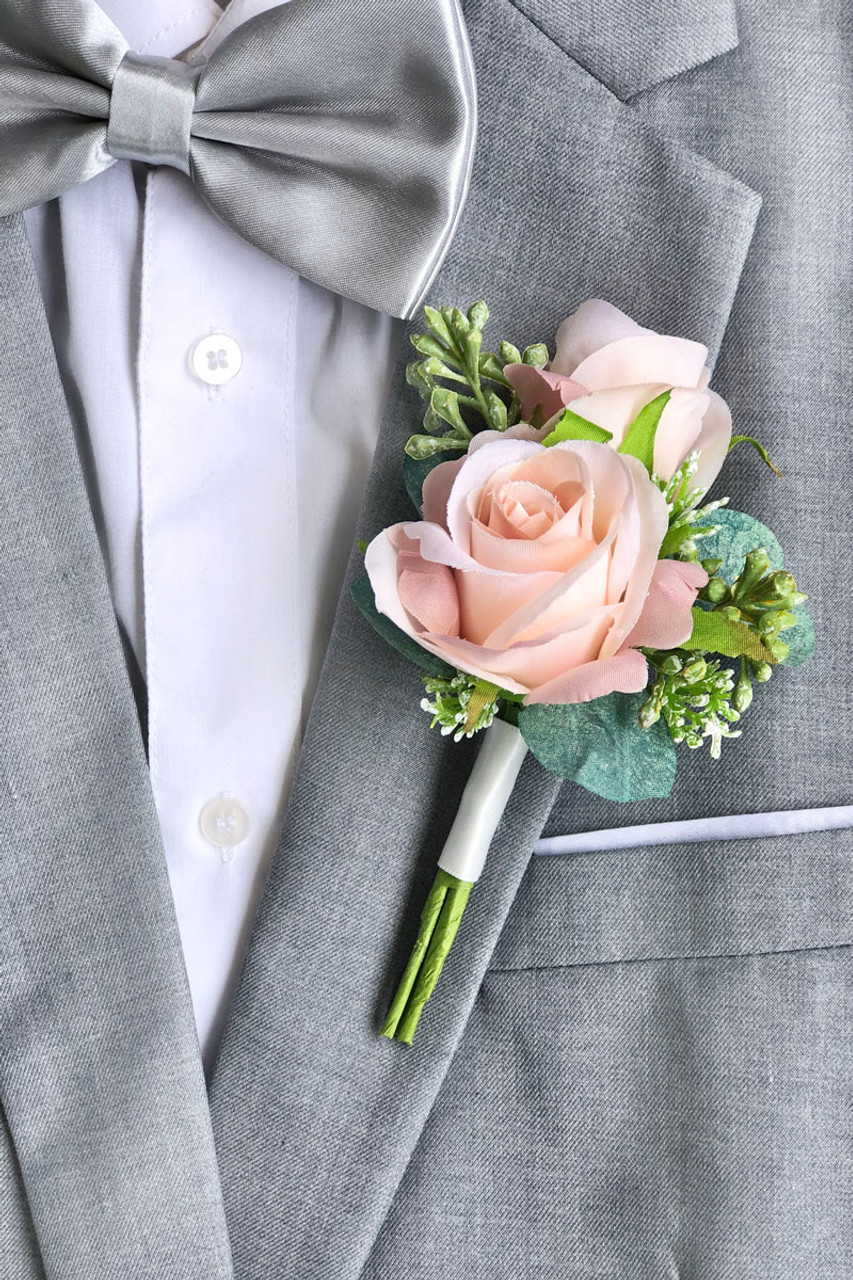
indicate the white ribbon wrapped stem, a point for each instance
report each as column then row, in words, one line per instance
column 483, row 801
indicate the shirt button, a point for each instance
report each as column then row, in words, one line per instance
column 216, row 359
column 225, row 823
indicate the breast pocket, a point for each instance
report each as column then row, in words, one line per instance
column 720, row 898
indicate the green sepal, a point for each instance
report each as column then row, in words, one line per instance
column 571, row 426
column 601, row 746
column 713, row 632
column 362, row 594
column 640, row 437
column 759, row 449
column 415, row 472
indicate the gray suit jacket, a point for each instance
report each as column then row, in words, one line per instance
column 637, row 1065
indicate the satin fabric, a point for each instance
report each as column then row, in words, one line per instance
column 335, row 135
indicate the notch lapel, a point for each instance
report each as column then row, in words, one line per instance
column 315, row 1117
column 100, row 1075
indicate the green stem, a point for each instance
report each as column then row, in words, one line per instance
column 440, row 920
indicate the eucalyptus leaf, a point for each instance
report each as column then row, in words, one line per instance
column 737, row 535
column 640, row 437
column 800, row 639
column 362, row 593
column 601, row 746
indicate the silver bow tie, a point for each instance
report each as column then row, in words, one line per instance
column 336, row 135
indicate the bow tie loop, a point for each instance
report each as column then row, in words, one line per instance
column 151, row 111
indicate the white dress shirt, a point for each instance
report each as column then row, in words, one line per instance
column 227, row 412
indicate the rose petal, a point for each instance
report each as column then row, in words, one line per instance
column 521, row 431
column 529, row 664
column 489, row 463
column 666, row 621
column 436, row 490
column 615, row 408
column 714, row 440
column 625, row 672
column 679, row 429
column 427, row 591
column 595, row 324
column 649, row 357
column 653, row 524
column 541, row 387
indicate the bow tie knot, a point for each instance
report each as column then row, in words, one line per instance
column 151, row 111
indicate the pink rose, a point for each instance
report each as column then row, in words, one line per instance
column 607, row 368
column 537, row 568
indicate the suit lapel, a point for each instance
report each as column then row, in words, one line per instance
column 315, row 1116
column 100, row 1076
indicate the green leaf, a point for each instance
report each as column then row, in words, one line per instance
column 537, row 355
column 491, row 367
column 438, row 326
column 427, row 345
column 800, row 639
column 418, row 377
column 572, row 426
column 478, row 314
column 427, row 446
column 509, row 354
column 601, row 746
column 445, row 404
column 715, row 633
column 738, row 535
column 497, row 411
column 759, row 448
column 415, row 472
column 362, row 593
column 639, row 439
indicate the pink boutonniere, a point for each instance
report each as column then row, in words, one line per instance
column 567, row 589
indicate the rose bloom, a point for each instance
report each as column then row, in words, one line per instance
column 537, row 568
column 606, row 368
